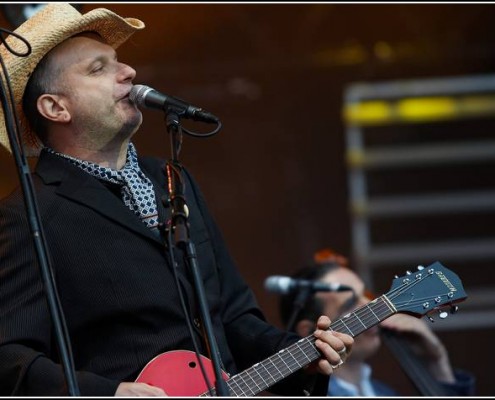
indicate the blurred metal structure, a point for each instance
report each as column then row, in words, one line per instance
column 421, row 154
column 17, row 14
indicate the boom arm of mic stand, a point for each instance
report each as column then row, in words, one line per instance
column 180, row 230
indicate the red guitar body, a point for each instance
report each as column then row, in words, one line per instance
column 178, row 373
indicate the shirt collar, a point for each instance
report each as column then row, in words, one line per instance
column 340, row 387
column 130, row 163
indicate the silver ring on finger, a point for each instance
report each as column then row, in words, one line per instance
column 338, row 365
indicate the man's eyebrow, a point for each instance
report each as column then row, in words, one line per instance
column 102, row 58
column 105, row 56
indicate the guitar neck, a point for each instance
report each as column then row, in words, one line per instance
column 268, row 372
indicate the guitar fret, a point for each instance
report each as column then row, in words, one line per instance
column 362, row 323
column 254, row 380
column 244, row 382
column 389, row 303
column 255, row 369
column 281, row 358
column 293, row 352
column 271, row 379
column 302, row 351
column 240, row 383
column 371, row 309
column 350, row 331
column 385, row 302
column 233, row 381
column 276, row 368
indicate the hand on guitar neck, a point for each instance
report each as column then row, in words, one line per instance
column 327, row 341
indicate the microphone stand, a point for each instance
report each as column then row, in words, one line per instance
column 299, row 302
column 180, row 230
column 40, row 245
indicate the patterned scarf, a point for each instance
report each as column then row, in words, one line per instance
column 136, row 188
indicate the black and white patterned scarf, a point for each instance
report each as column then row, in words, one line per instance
column 136, row 188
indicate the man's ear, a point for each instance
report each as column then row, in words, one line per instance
column 52, row 107
column 305, row 327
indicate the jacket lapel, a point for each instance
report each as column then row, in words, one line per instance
column 80, row 187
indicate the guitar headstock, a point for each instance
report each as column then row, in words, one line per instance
column 427, row 289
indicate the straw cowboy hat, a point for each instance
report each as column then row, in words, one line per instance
column 49, row 27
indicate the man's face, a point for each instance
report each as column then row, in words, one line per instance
column 94, row 87
column 337, row 304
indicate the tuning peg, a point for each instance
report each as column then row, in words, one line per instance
column 443, row 314
column 420, row 268
column 430, row 318
column 408, row 272
column 454, row 309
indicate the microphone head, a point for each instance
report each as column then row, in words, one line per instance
column 284, row 284
column 138, row 93
column 278, row 284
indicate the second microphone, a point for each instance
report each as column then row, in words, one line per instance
column 285, row 284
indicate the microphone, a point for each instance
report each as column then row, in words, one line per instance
column 285, row 284
column 144, row 96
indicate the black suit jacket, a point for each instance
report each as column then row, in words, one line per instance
column 116, row 287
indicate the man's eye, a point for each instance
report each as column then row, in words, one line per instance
column 97, row 69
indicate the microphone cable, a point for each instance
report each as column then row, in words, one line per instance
column 204, row 135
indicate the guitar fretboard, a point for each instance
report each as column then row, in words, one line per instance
column 265, row 374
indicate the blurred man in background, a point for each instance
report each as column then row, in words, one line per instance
column 355, row 377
